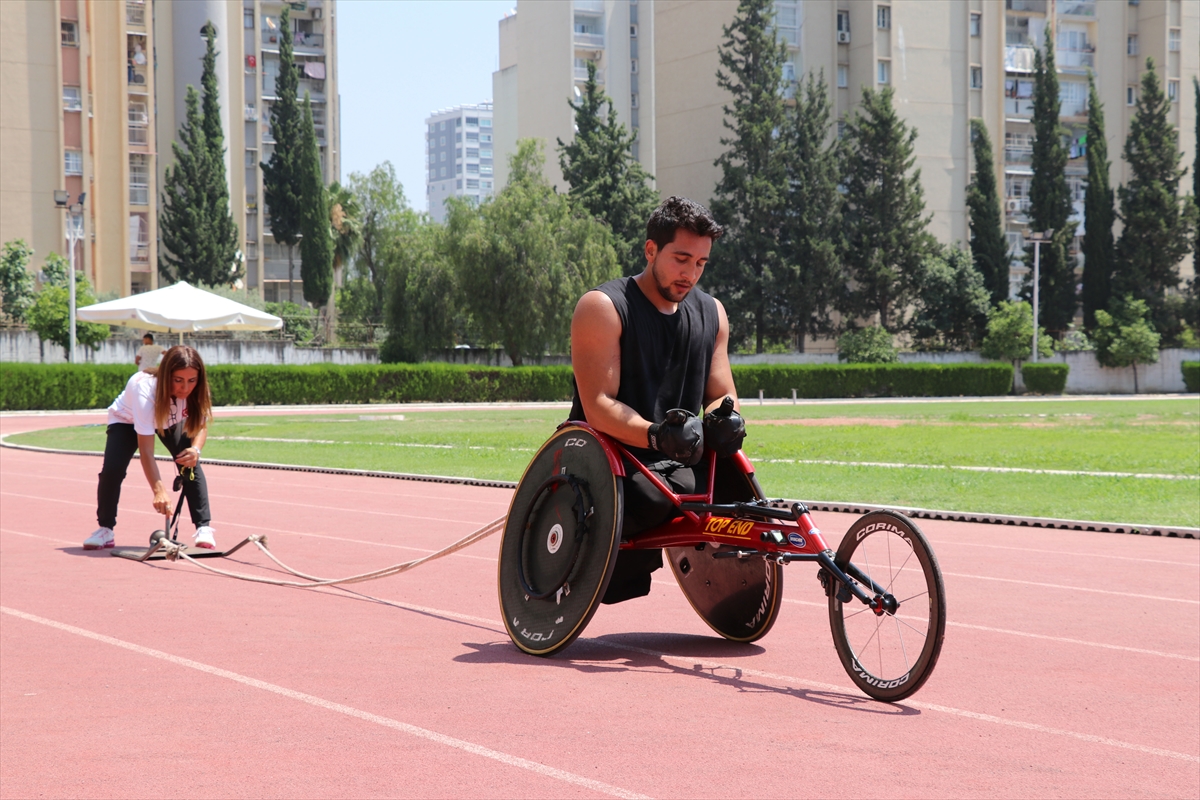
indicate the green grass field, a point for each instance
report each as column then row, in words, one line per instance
column 915, row 439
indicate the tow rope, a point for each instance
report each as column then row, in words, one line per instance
column 174, row 551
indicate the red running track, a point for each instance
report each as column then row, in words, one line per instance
column 1071, row 666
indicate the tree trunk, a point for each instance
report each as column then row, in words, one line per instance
column 331, row 306
column 291, row 273
column 1135, row 384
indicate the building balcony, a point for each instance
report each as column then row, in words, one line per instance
column 1018, row 58
column 1085, row 9
column 309, row 41
column 139, row 253
column 1075, row 59
column 139, row 77
column 1034, row 6
column 1016, row 207
column 581, row 75
column 251, row 114
column 589, row 41
column 139, row 195
column 1018, row 154
column 590, row 6
column 139, row 135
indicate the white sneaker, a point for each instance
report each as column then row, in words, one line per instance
column 205, row 538
column 102, row 538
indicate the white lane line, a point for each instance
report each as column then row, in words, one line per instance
column 328, row 705
column 695, row 665
column 1063, row 553
column 1063, row 639
column 36, row 536
column 1019, row 470
column 375, row 444
column 1074, row 588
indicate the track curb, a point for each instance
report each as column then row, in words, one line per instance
column 1142, row 529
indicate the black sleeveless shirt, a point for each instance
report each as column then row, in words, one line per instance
column 665, row 358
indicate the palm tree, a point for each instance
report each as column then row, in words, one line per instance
column 344, row 219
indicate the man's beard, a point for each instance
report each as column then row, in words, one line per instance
column 667, row 291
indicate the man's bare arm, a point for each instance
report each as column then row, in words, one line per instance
column 596, row 359
column 720, row 376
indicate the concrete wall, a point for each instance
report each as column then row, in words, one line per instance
column 24, row 346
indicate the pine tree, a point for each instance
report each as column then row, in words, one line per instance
column 750, row 196
column 1159, row 224
column 1098, row 215
column 989, row 250
column 282, row 174
column 886, row 234
column 316, row 235
column 605, row 180
column 1050, row 198
column 811, row 275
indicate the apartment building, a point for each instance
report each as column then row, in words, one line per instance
column 544, row 51
column 94, row 95
column 459, row 150
column 78, row 115
column 947, row 62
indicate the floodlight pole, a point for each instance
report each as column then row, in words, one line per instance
column 74, row 234
column 1037, row 237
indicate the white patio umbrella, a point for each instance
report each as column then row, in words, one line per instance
column 180, row 308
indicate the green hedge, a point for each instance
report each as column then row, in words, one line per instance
column 1045, row 378
column 67, row 386
column 1191, row 375
column 873, row 380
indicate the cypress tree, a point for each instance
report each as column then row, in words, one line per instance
column 282, row 174
column 606, row 181
column 989, row 250
column 811, row 275
column 1098, row 215
column 1050, row 198
column 1158, row 223
column 184, row 219
column 750, row 196
column 316, row 235
column 224, row 230
column 886, row 235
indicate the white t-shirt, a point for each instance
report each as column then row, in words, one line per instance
column 149, row 353
column 135, row 405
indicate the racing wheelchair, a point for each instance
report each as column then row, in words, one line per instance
column 727, row 546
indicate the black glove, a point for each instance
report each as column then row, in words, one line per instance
column 679, row 437
column 724, row 429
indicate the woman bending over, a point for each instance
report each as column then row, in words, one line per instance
column 173, row 402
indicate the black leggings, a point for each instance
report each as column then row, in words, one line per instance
column 120, row 449
column 645, row 508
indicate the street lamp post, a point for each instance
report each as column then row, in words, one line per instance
column 1037, row 237
column 74, row 234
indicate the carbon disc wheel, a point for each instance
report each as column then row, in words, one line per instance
column 889, row 655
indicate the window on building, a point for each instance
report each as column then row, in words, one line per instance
column 139, row 122
column 472, row 136
column 472, row 152
column 1131, row 45
column 787, row 22
column 442, row 127
column 70, row 33
column 458, row 169
column 472, row 183
column 458, row 137
column 841, row 128
column 976, row 24
column 789, row 72
column 139, row 179
column 485, row 184
column 485, row 152
column 473, row 122
column 458, row 152
column 458, row 184
column 633, row 31
column 442, row 141
column 633, row 100
column 73, row 162
column 442, row 156
column 485, row 137
column 976, row 77
column 1173, row 40
column 458, row 122
column 633, row 67
column 843, row 76
column 1131, row 95
column 485, row 123
column 883, row 17
column 442, row 172
column 883, row 71
column 485, row 169
column 843, row 22
column 72, row 100
column 472, row 169
column 248, row 18
column 1173, row 89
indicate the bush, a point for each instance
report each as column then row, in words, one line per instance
column 67, row 386
column 1045, row 378
column 1191, row 375
column 867, row 346
column 872, row 380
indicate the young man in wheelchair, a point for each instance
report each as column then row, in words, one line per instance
column 648, row 353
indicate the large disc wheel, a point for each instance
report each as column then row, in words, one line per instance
column 737, row 598
column 889, row 655
column 560, row 542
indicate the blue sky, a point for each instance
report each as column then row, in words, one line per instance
column 400, row 60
